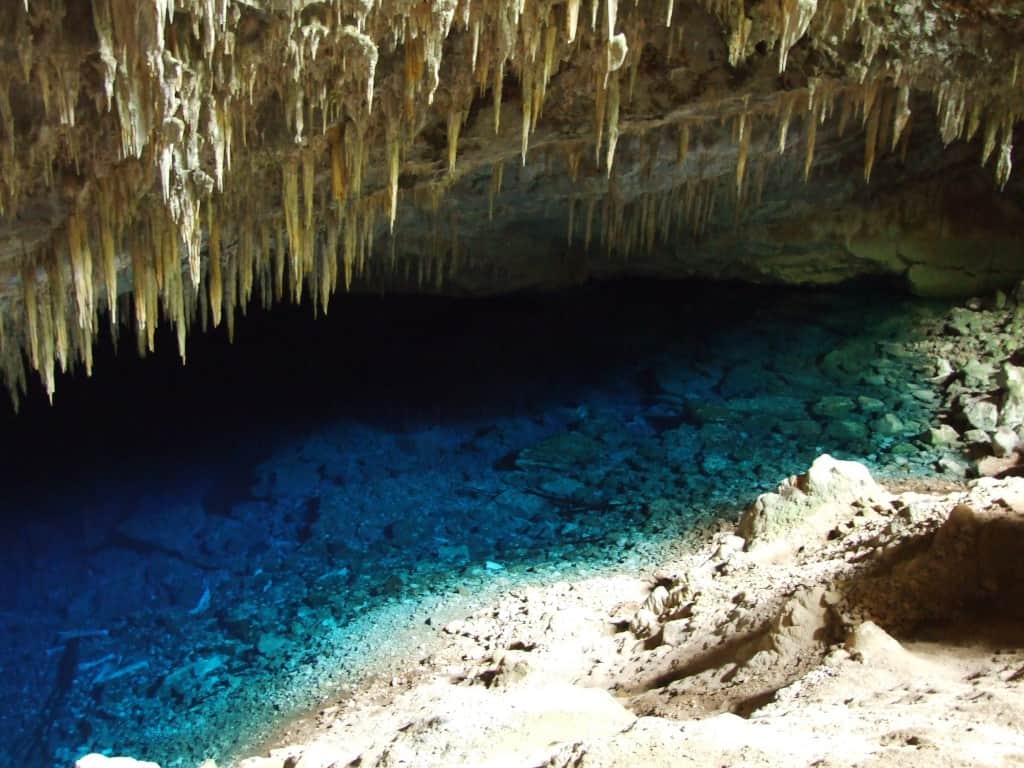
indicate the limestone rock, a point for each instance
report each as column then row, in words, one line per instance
column 847, row 430
column 644, row 623
column 676, row 632
column 263, row 762
column 870, row 404
column 952, row 465
column 96, row 760
column 981, row 414
column 1004, row 441
column 831, row 406
column 828, row 481
column 942, row 435
column 875, row 645
column 888, row 425
column 976, row 438
column 995, row 466
column 978, row 375
column 1011, row 382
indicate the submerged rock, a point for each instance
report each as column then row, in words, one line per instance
column 942, row 435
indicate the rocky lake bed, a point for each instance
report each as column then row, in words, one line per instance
column 547, row 518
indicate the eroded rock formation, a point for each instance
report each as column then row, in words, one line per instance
column 192, row 156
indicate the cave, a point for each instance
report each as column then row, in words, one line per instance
column 511, row 382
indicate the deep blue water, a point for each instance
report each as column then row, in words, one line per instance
column 192, row 554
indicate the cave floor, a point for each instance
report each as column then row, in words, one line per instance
column 192, row 611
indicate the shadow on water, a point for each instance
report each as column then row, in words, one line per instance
column 194, row 551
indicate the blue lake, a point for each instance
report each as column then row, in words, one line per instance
column 193, row 555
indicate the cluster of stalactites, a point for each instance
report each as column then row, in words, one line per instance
column 178, row 100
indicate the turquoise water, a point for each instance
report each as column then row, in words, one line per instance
column 193, row 555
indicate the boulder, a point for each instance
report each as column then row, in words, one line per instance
column 942, row 435
column 888, row 425
column 1004, row 441
column 847, row 430
column 1011, row 382
column 828, row 481
column 976, row 438
column 981, row 414
column 978, row 376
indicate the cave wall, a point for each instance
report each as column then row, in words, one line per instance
column 176, row 160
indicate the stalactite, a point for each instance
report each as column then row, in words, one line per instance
column 740, row 34
column 600, row 102
column 499, row 80
column 991, row 126
column 634, row 62
column 351, row 240
column 788, row 102
column 1004, row 163
column 796, row 17
column 476, row 43
column 743, row 129
column 46, row 340
column 231, row 295
column 215, row 287
column 265, row 264
column 613, row 121
column 28, row 287
column 55, row 279
column 393, row 148
column 902, row 115
column 454, row 125
column 527, row 103
column 81, row 267
column 871, row 139
column 308, row 182
column 811, row 123
column 572, row 19
column 973, row 122
column 108, row 249
column 683, row 146
column 905, row 140
column 279, row 261
column 290, row 203
column 338, row 178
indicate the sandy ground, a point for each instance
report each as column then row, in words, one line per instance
column 849, row 626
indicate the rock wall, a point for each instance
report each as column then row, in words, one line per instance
column 178, row 159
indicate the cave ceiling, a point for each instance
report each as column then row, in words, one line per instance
column 175, row 161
